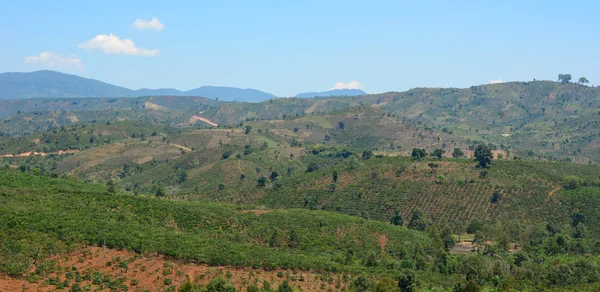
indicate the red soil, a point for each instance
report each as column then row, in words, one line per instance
column 149, row 273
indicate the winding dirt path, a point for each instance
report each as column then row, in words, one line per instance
column 551, row 193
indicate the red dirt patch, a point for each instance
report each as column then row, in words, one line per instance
column 383, row 240
column 149, row 273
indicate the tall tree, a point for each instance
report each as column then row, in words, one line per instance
column 457, row 153
column 439, row 153
column 583, row 81
column 293, row 242
column 406, row 281
column 564, row 78
column 111, row 187
column 160, row 192
column 418, row 153
column 484, row 155
column 397, row 219
column 417, row 221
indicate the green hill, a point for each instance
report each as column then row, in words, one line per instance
column 44, row 217
column 539, row 119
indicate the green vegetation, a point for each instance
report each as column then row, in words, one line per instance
column 60, row 214
column 336, row 185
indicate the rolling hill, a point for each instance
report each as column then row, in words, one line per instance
column 125, row 193
column 541, row 119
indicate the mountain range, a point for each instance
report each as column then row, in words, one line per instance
column 52, row 84
column 333, row 92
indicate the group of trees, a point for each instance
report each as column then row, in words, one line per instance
column 566, row 78
column 419, row 153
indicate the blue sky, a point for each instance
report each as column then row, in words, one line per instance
column 287, row 47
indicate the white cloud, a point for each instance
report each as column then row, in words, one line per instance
column 154, row 24
column 496, row 81
column 52, row 60
column 112, row 44
column 349, row 85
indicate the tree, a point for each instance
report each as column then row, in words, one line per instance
column 342, row 125
column 160, row 192
column 219, row 284
column 262, row 181
column 335, row 176
column 418, row 153
column 362, row 284
column 576, row 219
column 367, row 154
column 417, row 222
column 439, row 153
column 188, row 286
column 313, row 166
column 273, row 176
column 479, row 238
column 386, row 285
column 580, row 231
column 181, row 174
column 285, row 287
column 274, row 241
column 447, row 238
column 496, row 197
column 248, row 129
column 564, row 78
column 484, row 155
column 457, row 153
column 111, row 187
column 406, row 281
column 471, row 287
column 397, row 219
column 583, row 81
column 294, row 241
column 571, row 182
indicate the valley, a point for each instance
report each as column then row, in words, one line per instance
column 311, row 194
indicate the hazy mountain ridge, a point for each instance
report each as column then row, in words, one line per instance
column 52, row 84
column 333, row 92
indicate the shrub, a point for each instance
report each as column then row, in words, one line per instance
column 418, row 153
column 457, row 153
column 262, row 181
column 571, row 182
column 496, row 197
column 406, row 281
